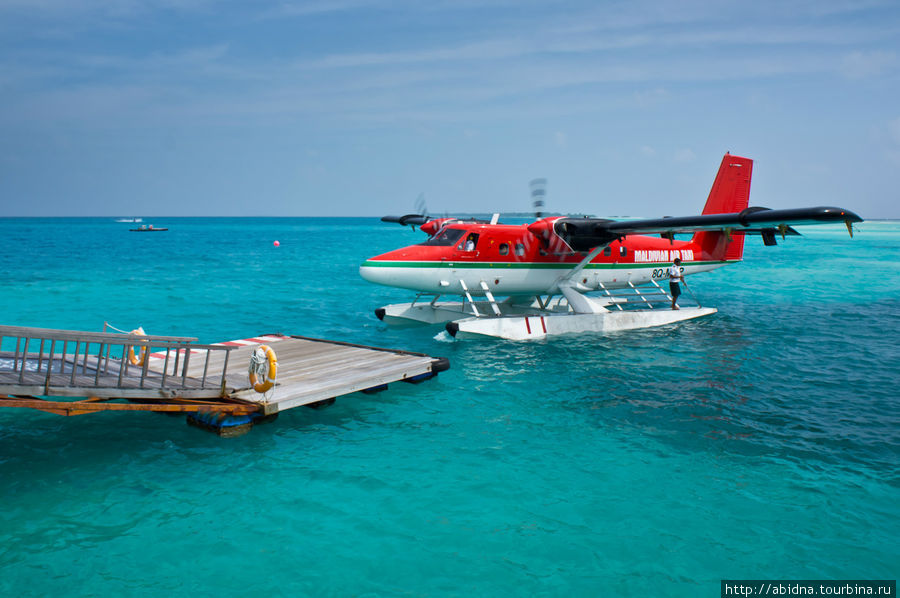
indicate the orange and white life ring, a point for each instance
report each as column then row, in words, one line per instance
column 257, row 381
column 137, row 359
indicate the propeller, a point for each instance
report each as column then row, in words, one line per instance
column 420, row 217
column 411, row 219
column 538, row 194
column 420, row 206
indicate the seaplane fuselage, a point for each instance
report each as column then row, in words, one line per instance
column 512, row 260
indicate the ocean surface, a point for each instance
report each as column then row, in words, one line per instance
column 760, row 442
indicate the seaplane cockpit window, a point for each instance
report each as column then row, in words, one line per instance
column 445, row 237
column 504, row 248
column 470, row 243
column 607, row 250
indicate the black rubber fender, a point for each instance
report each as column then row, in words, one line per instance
column 440, row 364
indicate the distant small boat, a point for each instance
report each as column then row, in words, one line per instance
column 147, row 228
column 129, row 220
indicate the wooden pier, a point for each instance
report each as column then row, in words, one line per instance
column 73, row 373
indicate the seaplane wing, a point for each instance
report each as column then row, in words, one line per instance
column 583, row 234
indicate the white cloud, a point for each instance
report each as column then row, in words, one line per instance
column 651, row 97
column 311, row 7
column 893, row 128
column 448, row 76
column 684, row 155
column 93, row 9
column 561, row 139
column 860, row 65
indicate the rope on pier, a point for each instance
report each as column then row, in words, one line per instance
column 108, row 325
column 135, row 357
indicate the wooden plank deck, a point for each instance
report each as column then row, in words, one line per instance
column 313, row 370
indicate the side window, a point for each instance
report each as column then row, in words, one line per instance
column 520, row 249
column 607, row 250
column 504, row 248
column 623, row 251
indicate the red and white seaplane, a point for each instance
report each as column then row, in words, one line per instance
column 563, row 275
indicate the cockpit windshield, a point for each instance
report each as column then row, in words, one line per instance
column 445, row 237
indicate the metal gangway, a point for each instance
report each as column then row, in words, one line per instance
column 37, row 364
column 649, row 296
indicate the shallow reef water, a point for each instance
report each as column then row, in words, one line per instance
column 760, row 442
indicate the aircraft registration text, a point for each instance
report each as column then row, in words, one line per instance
column 663, row 255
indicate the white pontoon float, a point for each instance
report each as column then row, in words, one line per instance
column 524, row 318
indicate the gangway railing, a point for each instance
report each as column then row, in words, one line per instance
column 652, row 296
column 104, row 364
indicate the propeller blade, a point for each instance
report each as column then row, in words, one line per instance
column 420, row 206
column 538, row 196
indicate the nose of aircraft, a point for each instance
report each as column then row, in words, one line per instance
column 369, row 272
column 375, row 269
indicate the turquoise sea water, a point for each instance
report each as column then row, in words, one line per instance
column 761, row 442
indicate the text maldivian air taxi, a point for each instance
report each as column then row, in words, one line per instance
column 565, row 275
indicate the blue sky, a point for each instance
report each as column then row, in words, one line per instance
column 355, row 107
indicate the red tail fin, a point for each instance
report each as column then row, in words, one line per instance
column 730, row 193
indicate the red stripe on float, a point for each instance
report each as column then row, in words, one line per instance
column 544, row 326
column 527, row 325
